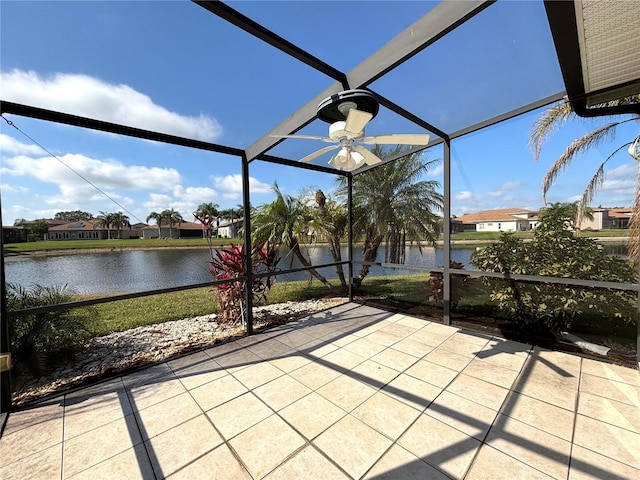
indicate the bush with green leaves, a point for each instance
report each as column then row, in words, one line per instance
column 37, row 339
column 557, row 251
column 230, row 263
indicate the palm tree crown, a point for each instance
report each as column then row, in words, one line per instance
column 391, row 203
column 104, row 220
column 119, row 221
column 282, row 222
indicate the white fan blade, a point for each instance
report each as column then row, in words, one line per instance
column 316, row 154
column 305, row 137
column 397, row 139
column 369, row 157
column 356, row 121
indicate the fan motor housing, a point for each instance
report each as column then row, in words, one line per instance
column 328, row 109
column 338, row 133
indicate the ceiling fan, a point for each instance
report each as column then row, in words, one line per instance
column 348, row 113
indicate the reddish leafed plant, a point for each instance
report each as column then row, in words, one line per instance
column 460, row 284
column 230, row 264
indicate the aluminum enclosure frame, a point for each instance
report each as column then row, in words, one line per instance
column 428, row 29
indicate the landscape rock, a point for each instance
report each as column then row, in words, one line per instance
column 122, row 351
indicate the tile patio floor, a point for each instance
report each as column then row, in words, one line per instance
column 349, row 393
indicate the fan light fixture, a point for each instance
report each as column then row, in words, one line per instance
column 348, row 113
column 634, row 149
column 347, row 160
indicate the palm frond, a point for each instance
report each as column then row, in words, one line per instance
column 589, row 193
column 547, row 124
column 576, row 147
column 593, row 186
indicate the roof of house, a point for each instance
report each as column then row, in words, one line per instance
column 86, row 225
column 49, row 221
column 498, row 215
column 620, row 212
column 80, row 225
column 229, row 223
column 177, row 226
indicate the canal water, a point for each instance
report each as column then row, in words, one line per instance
column 140, row 270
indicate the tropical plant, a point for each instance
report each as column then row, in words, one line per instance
column 331, row 222
column 209, row 216
column 172, row 217
column 158, row 218
column 281, row 223
column 460, row 284
column 232, row 214
column 37, row 339
column 104, row 220
column 392, row 203
column 119, row 221
column 559, row 114
column 555, row 251
column 38, row 229
column 229, row 264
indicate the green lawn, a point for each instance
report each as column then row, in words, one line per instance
column 115, row 244
column 142, row 243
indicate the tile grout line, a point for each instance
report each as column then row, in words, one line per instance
column 225, row 441
column 507, row 398
column 421, row 411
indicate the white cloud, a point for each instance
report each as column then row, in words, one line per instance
column 5, row 187
column 11, row 146
column 463, row 196
column 622, row 179
column 105, row 174
column 195, row 194
column 231, row 186
column 436, row 171
column 91, row 97
column 512, row 185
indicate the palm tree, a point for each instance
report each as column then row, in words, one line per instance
column 556, row 116
column 158, row 219
column 392, row 204
column 172, row 217
column 119, row 220
column 104, row 220
column 332, row 221
column 233, row 214
column 206, row 213
column 280, row 223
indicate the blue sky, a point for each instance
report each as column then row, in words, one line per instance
column 175, row 68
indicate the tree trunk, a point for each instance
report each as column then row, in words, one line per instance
column 295, row 247
column 334, row 246
column 334, row 240
column 369, row 254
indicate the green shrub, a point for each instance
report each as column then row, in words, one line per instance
column 37, row 339
column 556, row 251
